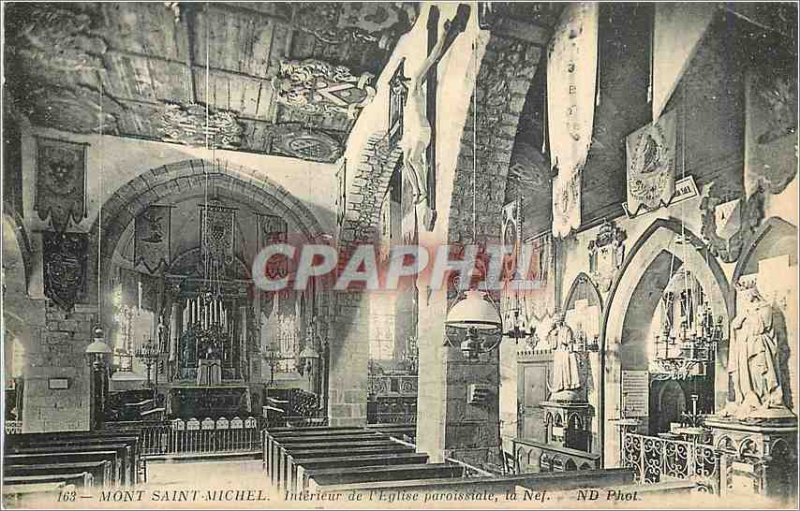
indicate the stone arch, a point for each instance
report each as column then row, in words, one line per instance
column 147, row 188
column 365, row 191
column 582, row 284
column 655, row 244
column 16, row 246
column 774, row 237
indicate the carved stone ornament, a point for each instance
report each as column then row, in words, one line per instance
column 606, row 255
column 64, row 265
column 295, row 141
column 189, row 125
column 727, row 224
column 315, row 86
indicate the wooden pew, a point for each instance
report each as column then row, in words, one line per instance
column 82, row 440
column 101, row 470
column 321, row 478
column 79, row 479
column 274, row 434
column 123, row 452
column 285, row 451
column 118, row 475
column 300, row 480
column 549, row 481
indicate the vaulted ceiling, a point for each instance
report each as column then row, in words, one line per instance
column 273, row 78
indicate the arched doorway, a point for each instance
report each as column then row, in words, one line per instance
column 175, row 266
column 663, row 250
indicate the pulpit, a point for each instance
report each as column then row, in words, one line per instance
column 209, row 371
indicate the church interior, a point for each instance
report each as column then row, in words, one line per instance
column 629, row 170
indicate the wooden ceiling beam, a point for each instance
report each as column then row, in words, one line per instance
column 194, row 65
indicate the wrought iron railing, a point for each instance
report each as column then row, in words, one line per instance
column 201, row 437
column 655, row 460
column 13, row 427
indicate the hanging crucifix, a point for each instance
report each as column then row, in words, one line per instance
column 419, row 114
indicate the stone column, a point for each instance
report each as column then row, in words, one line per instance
column 349, row 356
column 57, row 351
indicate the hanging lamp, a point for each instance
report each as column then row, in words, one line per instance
column 474, row 313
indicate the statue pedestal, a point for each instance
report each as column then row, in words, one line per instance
column 758, row 458
column 568, row 424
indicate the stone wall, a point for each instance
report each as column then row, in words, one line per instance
column 57, row 351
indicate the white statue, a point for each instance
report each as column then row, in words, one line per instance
column 566, row 376
column 753, row 360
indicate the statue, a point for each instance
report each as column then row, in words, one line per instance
column 753, row 360
column 566, row 378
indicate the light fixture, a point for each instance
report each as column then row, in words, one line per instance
column 148, row 354
column 98, row 350
column 473, row 314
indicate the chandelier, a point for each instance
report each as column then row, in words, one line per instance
column 686, row 345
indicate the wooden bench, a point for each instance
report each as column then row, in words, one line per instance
column 101, row 470
column 297, row 479
column 285, row 467
column 79, row 479
column 319, row 479
column 82, row 441
column 549, row 481
column 118, row 475
column 284, row 448
column 275, row 434
column 122, row 450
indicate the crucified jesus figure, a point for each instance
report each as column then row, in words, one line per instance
column 416, row 128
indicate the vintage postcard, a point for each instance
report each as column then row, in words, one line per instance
column 399, row 255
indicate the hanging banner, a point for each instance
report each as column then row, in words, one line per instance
column 273, row 229
column 770, row 128
column 64, row 265
column 651, row 165
column 677, row 32
column 152, row 238
column 571, row 88
column 60, row 181
column 217, row 230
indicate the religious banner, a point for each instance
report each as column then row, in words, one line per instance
column 273, row 229
column 677, row 32
column 651, row 165
column 770, row 128
column 152, row 238
column 60, row 181
column 571, row 87
column 64, row 265
column 217, row 231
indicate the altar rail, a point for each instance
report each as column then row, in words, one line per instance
column 208, row 436
column 655, row 460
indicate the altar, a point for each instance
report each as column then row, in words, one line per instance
column 209, row 371
column 201, row 401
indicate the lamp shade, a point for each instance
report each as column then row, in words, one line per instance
column 474, row 312
column 309, row 353
column 98, row 346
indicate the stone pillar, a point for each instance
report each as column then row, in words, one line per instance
column 349, row 356
column 57, row 351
